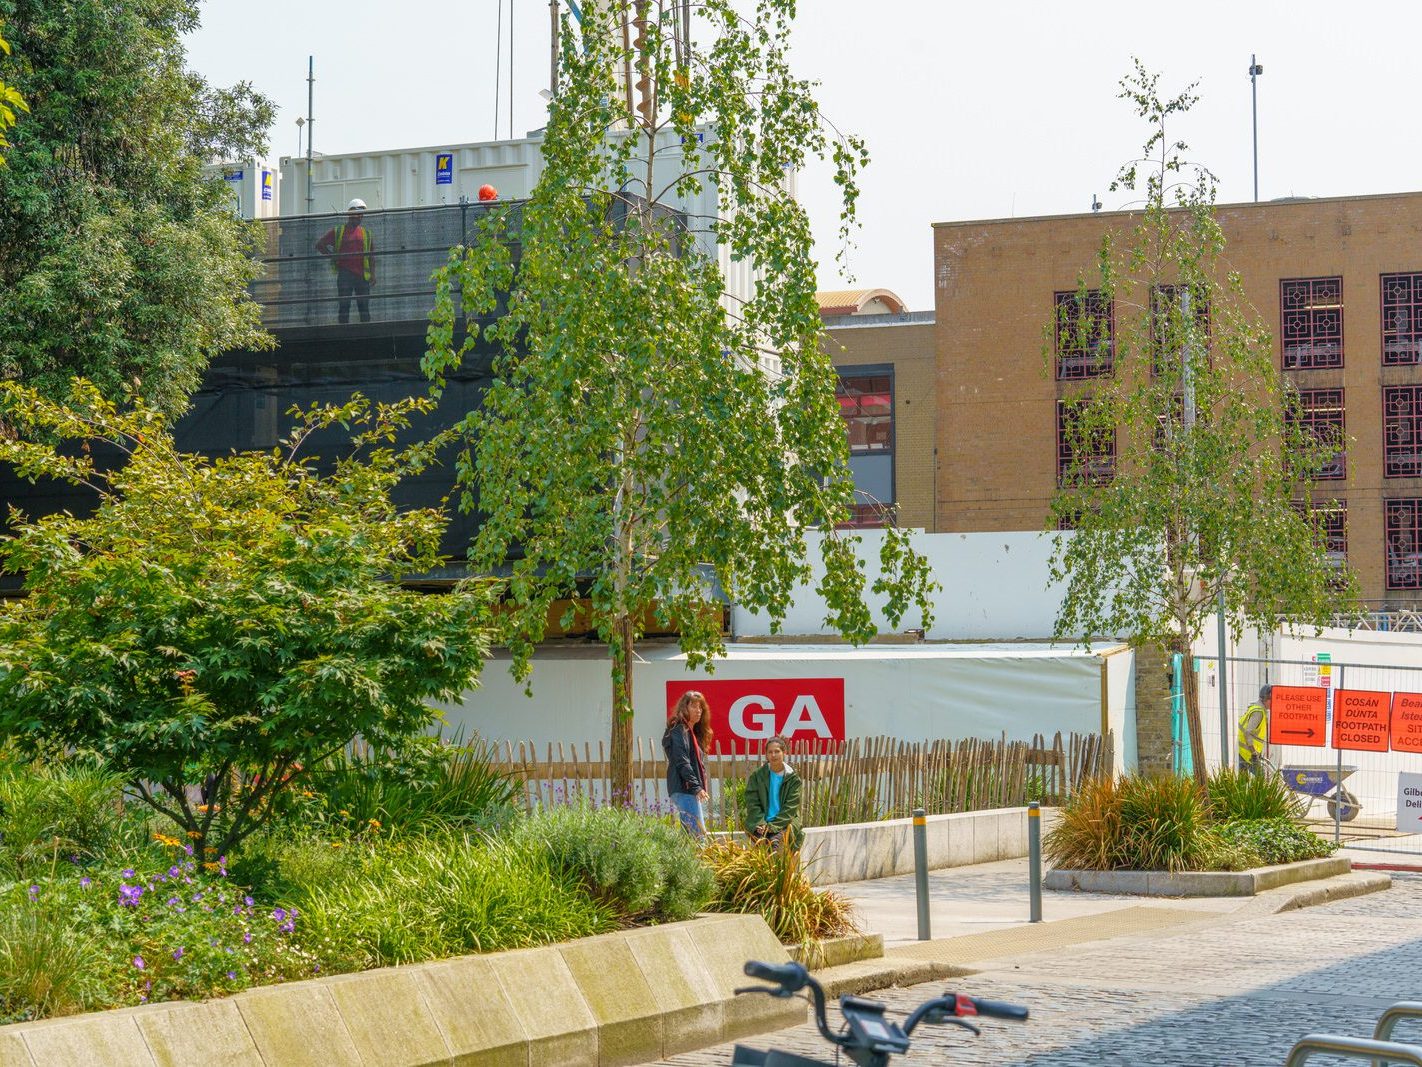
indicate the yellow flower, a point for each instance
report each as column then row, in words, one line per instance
column 375, row 824
column 335, row 844
column 344, row 814
column 307, row 793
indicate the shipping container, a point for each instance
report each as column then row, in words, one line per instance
column 252, row 185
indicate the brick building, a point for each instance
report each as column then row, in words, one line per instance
column 1338, row 281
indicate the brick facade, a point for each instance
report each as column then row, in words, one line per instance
column 994, row 286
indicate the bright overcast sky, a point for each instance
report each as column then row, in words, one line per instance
column 970, row 110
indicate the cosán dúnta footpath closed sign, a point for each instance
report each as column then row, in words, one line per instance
column 1407, row 722
column 1360, row 720
column 1298, row 715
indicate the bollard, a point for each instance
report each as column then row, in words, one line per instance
column 1034, row 857
column 920, row 871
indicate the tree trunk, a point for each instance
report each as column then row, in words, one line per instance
column 1189, row 682
column 621, row 769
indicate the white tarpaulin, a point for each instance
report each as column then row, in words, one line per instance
column 913, row 692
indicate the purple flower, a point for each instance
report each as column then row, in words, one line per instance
column 173, row 872
column 247, row 938
column 287, row 927
column 178, row 953
column 247, row 901
column 130, row 895
column 237, row 909
column 279, row 914
column 188, row 849
column 232, row 976
column 173, row 902
column 127, row 872
column 34, row 891
column 138, row 962
column 85, row 882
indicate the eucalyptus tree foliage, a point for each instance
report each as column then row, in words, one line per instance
column 646, row 430
column 1213, row 479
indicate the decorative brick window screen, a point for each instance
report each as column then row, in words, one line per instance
column 1312, row 326
column 1402, row 539
column 1401, row 319
column 1320, row 413
column 1402, row 431
column 1098, row 463
column 1085, row 347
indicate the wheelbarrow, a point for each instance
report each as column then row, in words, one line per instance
column 1315, row 782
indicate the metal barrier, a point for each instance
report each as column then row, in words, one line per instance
column 1349, row 788
column 1388, row 1020
column 1355, row 1048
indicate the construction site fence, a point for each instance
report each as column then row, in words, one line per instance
column 859, row 780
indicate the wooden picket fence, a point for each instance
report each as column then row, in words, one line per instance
column 860, row 780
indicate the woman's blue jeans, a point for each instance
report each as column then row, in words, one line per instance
column 688, row 810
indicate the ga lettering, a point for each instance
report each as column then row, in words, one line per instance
column 753, row 717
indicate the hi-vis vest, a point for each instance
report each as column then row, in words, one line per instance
column 337, row 252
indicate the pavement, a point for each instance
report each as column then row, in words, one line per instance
column 1131, row 980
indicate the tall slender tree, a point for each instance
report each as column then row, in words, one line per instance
column 653, row 431
column 1210, row 500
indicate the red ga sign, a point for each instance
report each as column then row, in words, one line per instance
column 753, row 709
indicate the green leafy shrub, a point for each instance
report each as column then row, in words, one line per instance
column 1245, row 795
column 1269, row 841
column 426, row 898
column 762, row 880
column 638, row 866
column 424, row 783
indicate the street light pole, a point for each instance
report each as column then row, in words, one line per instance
column 1255, row 69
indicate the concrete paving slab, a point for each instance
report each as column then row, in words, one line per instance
column 210, row 1032
column 388, row 1018
column 629, row 1026
column 101, row 1039
column 474, row 1013
column 297, row 1024
column 693, row 1015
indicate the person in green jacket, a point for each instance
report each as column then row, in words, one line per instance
column 771, row 809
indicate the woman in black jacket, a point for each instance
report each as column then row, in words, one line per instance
column 687, row 737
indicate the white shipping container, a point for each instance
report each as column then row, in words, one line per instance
column 447, row 174
column 252, row 185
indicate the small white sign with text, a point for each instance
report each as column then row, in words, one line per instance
column 1409, row 803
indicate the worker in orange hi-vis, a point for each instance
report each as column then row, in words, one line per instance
column 352, row 249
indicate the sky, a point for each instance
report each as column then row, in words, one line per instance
column 970, row 111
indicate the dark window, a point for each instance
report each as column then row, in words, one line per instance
column 866, row 401
column 1401, row 319
column 1402, row 431
column 1082, row 461
column 1312, row 327
column 1319, row 413
column 1167, row 328
column 1084, row 345
column 1402, row 537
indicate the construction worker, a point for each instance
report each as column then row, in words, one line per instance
column 1254, row 730
column 351, row 248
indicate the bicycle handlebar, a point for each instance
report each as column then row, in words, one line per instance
column 791, row 977
column 999, row 1009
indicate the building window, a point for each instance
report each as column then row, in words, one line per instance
column 1166, row 327
column 1084, row 344
column 1083, row 458
column 1402, row 534
column 1312, row 322
column 1402, row 431
column 1319, row 413
column 1401, row 319
column 866, row 401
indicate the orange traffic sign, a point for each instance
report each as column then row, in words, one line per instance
column 1298, row 715
column 1360, row 720
column 1407, row 722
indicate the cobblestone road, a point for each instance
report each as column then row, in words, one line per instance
column 1236, row 993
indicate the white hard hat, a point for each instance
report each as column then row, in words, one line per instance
column 356, row 205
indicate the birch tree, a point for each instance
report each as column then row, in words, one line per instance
column 650, row 433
